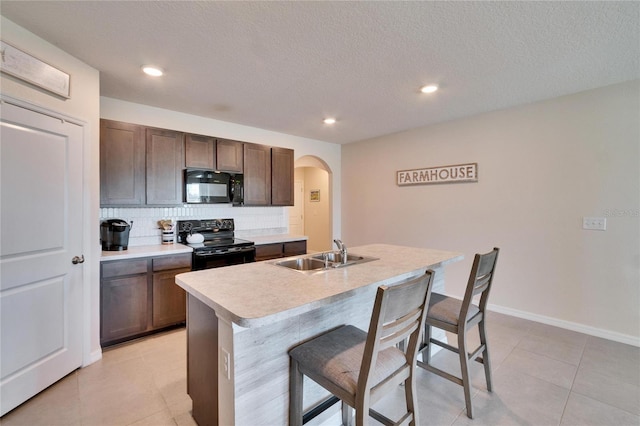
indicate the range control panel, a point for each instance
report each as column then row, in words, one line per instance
column 203, row 225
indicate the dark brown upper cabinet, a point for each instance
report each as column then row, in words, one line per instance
column 257, row 175
column 229, row 156
column 144, row 166
column 140, row 165
column 122, row 164
column 281, row 177
column 268, row 176
column 200, row 152
column 165, row 162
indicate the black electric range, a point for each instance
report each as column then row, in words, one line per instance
column 219, row 248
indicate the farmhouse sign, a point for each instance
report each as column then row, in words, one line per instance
column 443, row 174
column 17, row 63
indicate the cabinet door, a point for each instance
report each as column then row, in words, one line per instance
column 122, row 164
column 165, row 159
column 123, row 307
column 229, row 156
column 268, row 251
column 169, row 300
column 257, row 175
column 294, row 248
column 200, row 152
column 281, row 177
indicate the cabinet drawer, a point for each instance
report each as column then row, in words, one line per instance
column 269, row 251
column 294, row 248
column 171, row 262
column 119, row 268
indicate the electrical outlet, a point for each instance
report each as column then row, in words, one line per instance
column 595, row 223
column 225, row 363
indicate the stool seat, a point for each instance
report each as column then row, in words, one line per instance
column 447, row 309
column 337, row 357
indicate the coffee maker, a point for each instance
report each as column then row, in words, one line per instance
column 114, row 234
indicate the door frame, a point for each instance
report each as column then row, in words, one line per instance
column 318, row 163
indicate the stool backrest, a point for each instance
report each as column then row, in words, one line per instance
column 480, row 279
column 399, row 313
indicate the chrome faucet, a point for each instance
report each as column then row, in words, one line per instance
column 343, row 250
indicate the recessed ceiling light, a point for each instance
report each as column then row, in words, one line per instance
column 329, row 121
column 152, row 71
column 429, row 89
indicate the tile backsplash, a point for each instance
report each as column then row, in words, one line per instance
column 249, row 221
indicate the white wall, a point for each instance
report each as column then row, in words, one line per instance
column 330, row 153
column 541, row 167
column 83, row 105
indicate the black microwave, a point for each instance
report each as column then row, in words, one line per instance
column 209, row 187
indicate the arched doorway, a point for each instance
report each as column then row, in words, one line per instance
column 311, row 213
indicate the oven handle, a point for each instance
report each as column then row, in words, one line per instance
column 240, row 250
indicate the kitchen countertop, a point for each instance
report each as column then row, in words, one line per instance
column 166, row 249
column 275, row 238
column 255, row 294
column 144, row 251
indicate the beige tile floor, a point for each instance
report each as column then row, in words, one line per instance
column 543, row 375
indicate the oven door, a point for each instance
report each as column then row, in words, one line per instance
column 235, row 256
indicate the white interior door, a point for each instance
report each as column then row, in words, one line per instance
column 296, row 213
column 41, row 232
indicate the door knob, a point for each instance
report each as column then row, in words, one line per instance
column 77, row 259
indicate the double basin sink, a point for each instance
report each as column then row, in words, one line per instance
column 323, row 261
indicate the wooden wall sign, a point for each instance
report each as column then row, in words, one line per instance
column 443, row 174
column 20, row 64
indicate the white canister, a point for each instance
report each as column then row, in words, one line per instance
column 167, row 237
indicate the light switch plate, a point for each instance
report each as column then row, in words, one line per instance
column 594, row 223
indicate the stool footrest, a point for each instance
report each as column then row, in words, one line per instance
column 440, row 373
column 319, row 409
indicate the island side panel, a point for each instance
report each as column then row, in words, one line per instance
column 202, row 361
column 261, row 356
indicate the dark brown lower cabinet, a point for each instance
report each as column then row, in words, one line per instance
column 139, row 296
column 294, row 248
column 169, row 300
column 124, row 307
column 277, row 250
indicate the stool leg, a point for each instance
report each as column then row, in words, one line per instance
column 347, row 414
column 426, row 353
column 485, row 354
column 295, row 394
column 362, row 408
column 411, row 397
column 464, row 367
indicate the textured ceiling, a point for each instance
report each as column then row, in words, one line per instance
column 284, row 66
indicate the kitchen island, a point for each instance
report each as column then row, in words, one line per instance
column 243, row 319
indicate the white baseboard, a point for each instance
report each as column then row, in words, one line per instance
column 581, row 328
column 93, row 357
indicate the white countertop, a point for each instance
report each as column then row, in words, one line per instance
column 145, row 251
column 275, row 238
column 166, row 249
column 260, row 293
